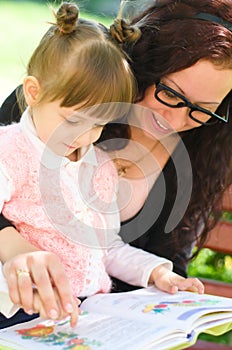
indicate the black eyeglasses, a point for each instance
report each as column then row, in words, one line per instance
column 173, row 99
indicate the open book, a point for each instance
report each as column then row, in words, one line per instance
column 138, row 320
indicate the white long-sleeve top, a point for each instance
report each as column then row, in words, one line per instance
column 69, row 208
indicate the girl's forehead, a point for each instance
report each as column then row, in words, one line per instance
column 99, row 113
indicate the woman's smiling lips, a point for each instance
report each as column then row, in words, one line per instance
column 161, row 125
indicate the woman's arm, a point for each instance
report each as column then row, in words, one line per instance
column 12, row 243
column 25, row 267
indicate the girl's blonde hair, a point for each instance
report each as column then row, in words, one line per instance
column 78, row 62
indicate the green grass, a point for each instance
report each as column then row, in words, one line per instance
column 23, row 24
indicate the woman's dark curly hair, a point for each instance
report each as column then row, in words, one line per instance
column 171, row 41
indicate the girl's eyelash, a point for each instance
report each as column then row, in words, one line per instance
column 70, row 121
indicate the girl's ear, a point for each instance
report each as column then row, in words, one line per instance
column 31, row 88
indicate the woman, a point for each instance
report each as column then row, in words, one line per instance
column 185, row 46
column 181, row 55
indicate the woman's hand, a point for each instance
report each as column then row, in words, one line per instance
column 169, row 281
column 39, row 307
column 37, row 282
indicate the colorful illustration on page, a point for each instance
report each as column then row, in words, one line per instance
column 55, row 335
column 164, row 306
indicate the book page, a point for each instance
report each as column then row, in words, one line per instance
column 140, row 320
column 151, row 305
column 93, row 331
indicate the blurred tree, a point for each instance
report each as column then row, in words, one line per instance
column 101, row 7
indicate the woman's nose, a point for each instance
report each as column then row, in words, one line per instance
column 180, row 118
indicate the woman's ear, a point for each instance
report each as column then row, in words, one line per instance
column 31, row 88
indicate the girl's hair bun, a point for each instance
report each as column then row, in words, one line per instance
column 67, row 17
column 124, row 32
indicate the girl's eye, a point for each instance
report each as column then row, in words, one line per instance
column 72, row 121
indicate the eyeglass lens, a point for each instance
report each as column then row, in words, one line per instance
column 171, row 98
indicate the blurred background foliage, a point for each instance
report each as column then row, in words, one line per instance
column 99, row 7
column 214, row 265
column 210, row 264
column 23, row 22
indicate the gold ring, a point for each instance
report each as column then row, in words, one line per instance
column 21, row 272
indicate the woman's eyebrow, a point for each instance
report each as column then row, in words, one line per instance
column 209, row 103
column 199, row 102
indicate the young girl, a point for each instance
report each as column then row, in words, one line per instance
column 57, row 189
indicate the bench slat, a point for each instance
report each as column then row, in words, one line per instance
column 217, row 287
column 227, row 200
column 220, row 238
column 205, row 345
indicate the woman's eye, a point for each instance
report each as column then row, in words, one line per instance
column 169, row 94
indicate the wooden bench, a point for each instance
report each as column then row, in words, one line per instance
column 220, row 240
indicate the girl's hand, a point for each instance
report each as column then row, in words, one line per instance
column 169, row 281
column 43, row 271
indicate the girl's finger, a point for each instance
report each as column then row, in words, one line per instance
column 193, row 285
